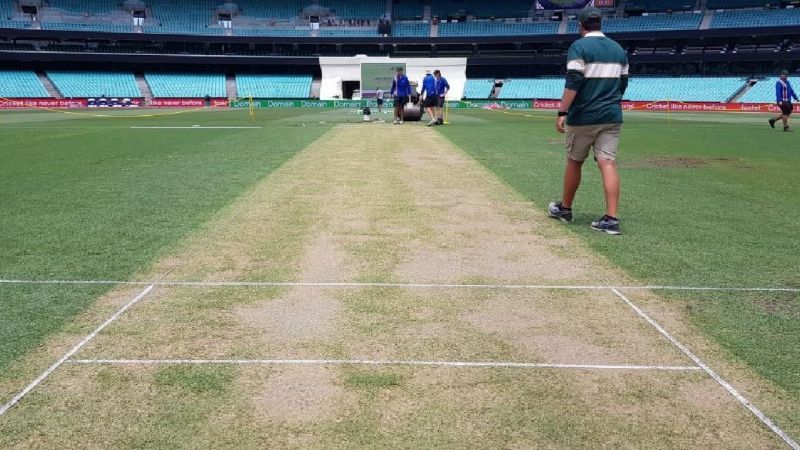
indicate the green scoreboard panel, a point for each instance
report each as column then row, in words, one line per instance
column 378, row 75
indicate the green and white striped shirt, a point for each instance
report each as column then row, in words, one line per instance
column 597, row 68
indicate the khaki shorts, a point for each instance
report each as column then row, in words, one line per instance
column 603, row 137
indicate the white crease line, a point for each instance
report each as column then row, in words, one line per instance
column 731, row 390
column 195, row 128
column 73, row 351
column 404, row 285
column 314, row 362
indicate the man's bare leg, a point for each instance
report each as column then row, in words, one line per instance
column 572, row 180
column 608, row 169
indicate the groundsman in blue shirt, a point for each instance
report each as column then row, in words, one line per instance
column 783, row 96
column 401, row 90
column 591, row 116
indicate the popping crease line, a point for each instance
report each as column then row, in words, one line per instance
column 490, row 364
column 702, row 365
column 401, row 285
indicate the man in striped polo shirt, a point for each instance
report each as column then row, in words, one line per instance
column 597, row 76
column 783, row 96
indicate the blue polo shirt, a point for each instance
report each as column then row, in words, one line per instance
column 401, row 87
column 784, row 92
column 429, row 85
column 441, row 86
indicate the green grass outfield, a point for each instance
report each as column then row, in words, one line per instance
column 93, row 198
column 707, row 200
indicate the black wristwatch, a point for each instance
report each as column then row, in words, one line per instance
column 562, row 113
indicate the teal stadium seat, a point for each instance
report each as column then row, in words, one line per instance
column 21, row 84
column 74, row 84
column 408, row 29
column 273, row 86
column 348, row 32
column 478, row 89
column 186, row 85
column 764, row 91
column 497, row 28
column 756, row 18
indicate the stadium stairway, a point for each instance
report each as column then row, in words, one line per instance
column 740, row 93
column 230, row 86
column 316, row 85
column 143, row 86
column 48, row 85
column 707, row 18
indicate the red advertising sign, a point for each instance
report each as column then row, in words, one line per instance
column 55, row 103
column 186, row 102
column 664, row 106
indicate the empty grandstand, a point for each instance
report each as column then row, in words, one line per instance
column 80, row 84
column 179, row 85
column 21, row 84
column 550, row 88
column 756, row 18
column 684, row 89
column 497, row 28
column 273, row 86
column 661, row 22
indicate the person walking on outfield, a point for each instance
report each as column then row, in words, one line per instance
column 784, row 95
column 442, row 86
column 379, row 99
column 597, row 76
column 429, row 96
column 401, row 91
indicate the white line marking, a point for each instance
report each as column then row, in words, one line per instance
column 404, row 285
column 73, row 351
column 499, row 364
column 731, row 390
column 194, row 128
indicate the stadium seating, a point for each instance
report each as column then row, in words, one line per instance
column 103, row 28
column 411, row 29
column 482, row 8
column 93, row 7
column 73, row 84
column 348, row 32
column 496, row 28
column 730, row 4
column 756, row 18
column 283, row 10
column 660, row 22
column 408, row 9
column 477, row 89
column 269, row 31
column 764, row 91
column 273, row 86
column 348, row 9
column 21, row 84
column 549, row 88
column 660, row 5
column 176, row 85
column 684, row 89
